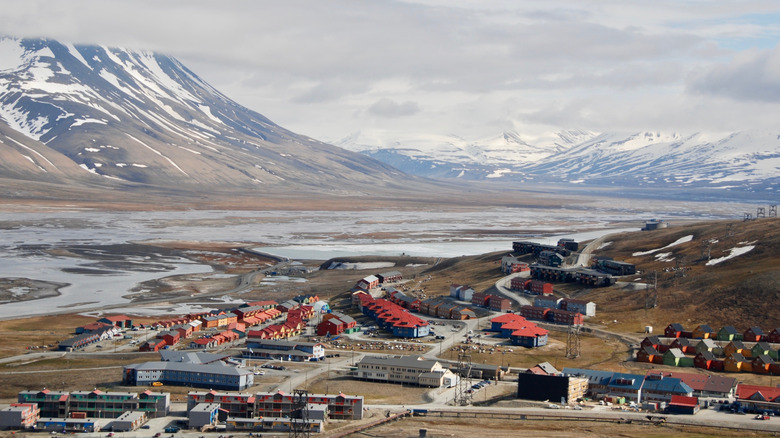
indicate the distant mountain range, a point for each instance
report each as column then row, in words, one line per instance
column 108, row 116
column 81, row 115
column 743, row 161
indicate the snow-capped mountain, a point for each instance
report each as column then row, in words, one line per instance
column 748, row 160
column 96, row 115
column 499, row 156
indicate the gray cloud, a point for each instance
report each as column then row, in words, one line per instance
column 389, row 108
column 754, row 75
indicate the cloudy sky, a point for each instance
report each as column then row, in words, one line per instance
column 470, row 68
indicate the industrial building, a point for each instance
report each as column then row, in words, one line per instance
column 406, row 370
column 555, row 388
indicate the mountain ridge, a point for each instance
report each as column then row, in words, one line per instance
column 747, row 160
column 76, row 112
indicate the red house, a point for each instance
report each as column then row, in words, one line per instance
column 774, row 336
column 331, row 327
column 170, row 337
column 185, row 331
column 649, row 354
column 534, row 313
column 754, row 334
column 705, row 360
column 480, row 299
column 500, row 304
column 152, row 345
column 674, row 330
column 538, row 287
column 684, row 345
column 762, row 364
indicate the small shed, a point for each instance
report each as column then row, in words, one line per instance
column 681, row 404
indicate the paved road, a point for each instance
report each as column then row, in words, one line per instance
column 583, row 259
column 503, row 285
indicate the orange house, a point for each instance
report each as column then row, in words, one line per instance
column 736, row 363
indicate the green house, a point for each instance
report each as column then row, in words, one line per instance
column 729, row 333
column 674, row 357
column 761, row 348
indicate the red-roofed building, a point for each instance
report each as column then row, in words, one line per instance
column 758, row 398
column 529, row 336
column 681, row 404
column 758, row 392
column 93, row 327
column 203, row 343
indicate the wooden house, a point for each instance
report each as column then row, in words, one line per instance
column 655, row 342
column 736, row 363
column 729, row 333
column 674, row 357
column 754, row 334
column 735, row 347
column 704, row 331
column 774, row 336
column 674, row 330
column 704, row 360
column 649, row 354
column 761, row 364
column 684, row 344
column 707, row 345
column 761, row 348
